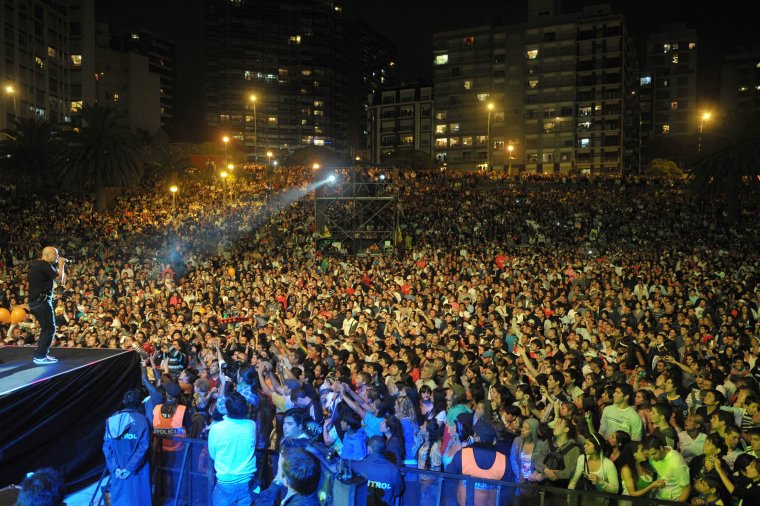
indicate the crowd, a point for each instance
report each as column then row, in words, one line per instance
column 566, row 332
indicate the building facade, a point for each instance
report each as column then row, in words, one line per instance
column 400, row 119
column 668, row 85
column 551, row 95
column 740, row 82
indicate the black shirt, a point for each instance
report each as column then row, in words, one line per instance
column 41, row 276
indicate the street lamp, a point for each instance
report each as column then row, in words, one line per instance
column 173, row 188
column 315, row 166
column 226, row 141
column 252, row 98
column 9, row 90
column 706, row 116
column 488, row 138
column 230, row 166
column 510, row 149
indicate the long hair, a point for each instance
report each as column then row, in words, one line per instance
column 396, row 430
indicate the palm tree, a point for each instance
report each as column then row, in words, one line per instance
column 728, row 171
column 168, row 161
column 30, row 150
column 104, row 152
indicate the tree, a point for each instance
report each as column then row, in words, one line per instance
column 728, row 169
column 104, row 152
column 168, row 161
column 659, row 167
column 410, row 159
column 30, row 150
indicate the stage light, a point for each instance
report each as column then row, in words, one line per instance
column 382, row 177
column 332, row 179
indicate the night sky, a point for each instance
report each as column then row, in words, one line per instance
column 410, row 25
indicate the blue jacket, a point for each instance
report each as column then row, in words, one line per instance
column 384, row 481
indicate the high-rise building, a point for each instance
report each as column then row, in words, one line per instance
column 740, row 82
column 370, row 65
column 285, row 75
column 274, row 73
column 400, row 119
column 160, row 54
column 554, row 94
column 36, row 61
column 668, row 84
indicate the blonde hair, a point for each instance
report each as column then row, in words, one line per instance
column 405, row 408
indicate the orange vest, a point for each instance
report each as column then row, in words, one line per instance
column 484, row 494
column 169, row 427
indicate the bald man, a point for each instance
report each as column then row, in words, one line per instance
column 42, row 274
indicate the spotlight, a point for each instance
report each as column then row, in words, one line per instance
column 382, row 177
column 331, row 179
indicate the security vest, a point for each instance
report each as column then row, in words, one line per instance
column 168, row 427
column 485, row 494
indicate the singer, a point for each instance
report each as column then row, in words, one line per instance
column 41, row 276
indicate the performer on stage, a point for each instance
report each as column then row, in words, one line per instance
column 41, row 276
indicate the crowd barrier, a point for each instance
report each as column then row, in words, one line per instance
column 185, row 477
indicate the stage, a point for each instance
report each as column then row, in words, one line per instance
column 54, row 415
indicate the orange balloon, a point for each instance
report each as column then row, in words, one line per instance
column 5, row 316
column 231, row 271
column 18, row 315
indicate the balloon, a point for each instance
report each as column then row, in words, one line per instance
column 231, row 271
column 5, row 316
column 18, row 315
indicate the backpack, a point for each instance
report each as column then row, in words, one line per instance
column 555, row 460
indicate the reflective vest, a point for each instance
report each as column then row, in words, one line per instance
column 169, row 427
column 485, row 494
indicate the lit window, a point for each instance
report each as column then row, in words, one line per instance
column 76, row 60
column 441, row 59
column 468, row 41
column 675, row 58
column 674, row 104
column 338, row 8
column 440, row 129
column 467, row 141
column 115, row 97
column 666, row 128
column 282, row 72
column 75, row 106
column 441, row 115
column 306, row 72
column 52, row 52
column 498, row 116
column 407, row 139
column 247, row 75
column 454, row 127
column 531, row 54
column 480, row 140
column 645, row 81
column 743, row 88
column 482, row 97
column 584, row 142
column 40, row 62
column 692, row 45
column 135, row 36
column 533, row 83
column 318, row 103
column 442, row 143
column 666, row 48
column 597, row 107
column 468, row 84
column 584, row 111
column 272, row 120
column 674, row 46
column 549, row 127
column 319, row 112
column 757, row 87
column 319, row 142
column 294, row 39
column 453, row 141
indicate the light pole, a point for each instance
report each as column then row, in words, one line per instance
column 173, row 188
column 706, row 116
column 252, row 98
column 488, row 138
column 224, row 175
column 226, row 141
column 9, row 90
column 510, row 148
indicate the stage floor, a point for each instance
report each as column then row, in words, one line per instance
column 18, row 371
